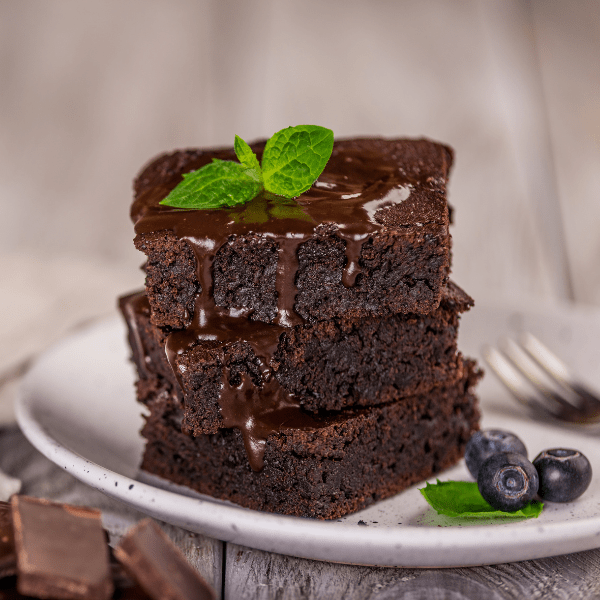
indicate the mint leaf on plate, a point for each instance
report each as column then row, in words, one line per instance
column 294, row 158
column 219, row 183
column 462, row 499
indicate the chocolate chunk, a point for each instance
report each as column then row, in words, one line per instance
column 158, row 566
column 8, row 559
column 8, row 588
column 61, row 551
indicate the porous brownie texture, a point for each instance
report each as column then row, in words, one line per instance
column 328, row 365
column 362, row 456
column 404, row 264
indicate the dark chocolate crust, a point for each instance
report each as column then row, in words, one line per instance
column 328, row 365
column 365, row 456
column 404, row 264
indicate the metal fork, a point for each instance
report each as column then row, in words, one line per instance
column 542, row 381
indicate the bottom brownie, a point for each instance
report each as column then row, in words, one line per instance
column 357, row 457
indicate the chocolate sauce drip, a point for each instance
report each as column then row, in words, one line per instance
column 261, row 411
column 257, row 411
column 353, row 193
column 132, row 305
column 287, row 265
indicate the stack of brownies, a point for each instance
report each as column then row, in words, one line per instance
column 299, row 356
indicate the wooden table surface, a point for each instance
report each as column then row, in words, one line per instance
column 99, row 87
column 239, row 573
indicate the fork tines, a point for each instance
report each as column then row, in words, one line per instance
column 541, row 381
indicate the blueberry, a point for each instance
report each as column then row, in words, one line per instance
column 564, row 474
column 487, row 442
column 507, row 481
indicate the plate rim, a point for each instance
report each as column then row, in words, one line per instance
column 399, row 546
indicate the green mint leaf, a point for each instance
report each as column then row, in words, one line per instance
column 220, row 183
column 462, row 499
column 247, row 158
column 294, row 158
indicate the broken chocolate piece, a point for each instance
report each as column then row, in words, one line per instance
column 8, row 559
column 61, row 551
column 126, row 588
column 159, row 567
column 8, row 589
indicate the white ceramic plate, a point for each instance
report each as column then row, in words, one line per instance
column 77, row 406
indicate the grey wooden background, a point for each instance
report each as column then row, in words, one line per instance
column 90, row 90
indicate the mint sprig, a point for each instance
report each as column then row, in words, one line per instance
column 462, row 499
column 292, row 161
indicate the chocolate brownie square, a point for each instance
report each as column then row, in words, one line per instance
column 370, row 238
column 324, row 366
column 350, row 460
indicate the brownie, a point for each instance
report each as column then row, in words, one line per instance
column 353, row 459
column 327, row 365
column 370, row 238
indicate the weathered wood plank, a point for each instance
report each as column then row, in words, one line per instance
column 570, row 576
column 252, row 574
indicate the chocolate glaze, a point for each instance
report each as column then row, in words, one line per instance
column 257, row 411
column 363, row 185
column 130, row 306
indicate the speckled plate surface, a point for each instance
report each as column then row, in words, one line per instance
column 77, row 406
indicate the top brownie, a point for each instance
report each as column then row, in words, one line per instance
column 370, row 238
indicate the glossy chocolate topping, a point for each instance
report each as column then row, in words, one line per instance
column 367, row 185
column 131, row 306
